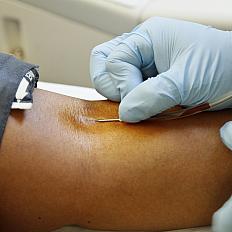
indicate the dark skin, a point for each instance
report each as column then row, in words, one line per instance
column 59, row 167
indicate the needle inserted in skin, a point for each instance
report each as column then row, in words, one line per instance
column 108, row 120
column 180, row 113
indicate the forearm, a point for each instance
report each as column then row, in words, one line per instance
column 59, row 167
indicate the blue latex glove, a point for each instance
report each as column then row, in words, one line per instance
column 222, row 219
column 161, row 63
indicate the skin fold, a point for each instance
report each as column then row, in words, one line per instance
column 59, row 167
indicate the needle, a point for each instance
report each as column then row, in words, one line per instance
column 180, row 113
column 108, row 120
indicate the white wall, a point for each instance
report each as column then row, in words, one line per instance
column 61, row 42
column 60, row 46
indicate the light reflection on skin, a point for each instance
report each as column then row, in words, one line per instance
column 75, row 118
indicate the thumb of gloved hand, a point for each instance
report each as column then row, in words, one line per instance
column 149, row 98
column 226, row 134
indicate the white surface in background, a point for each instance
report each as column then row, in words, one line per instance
column 216, row 13
column 128, row 3
column 78, row 229
column 71, row 90
column 111, row 16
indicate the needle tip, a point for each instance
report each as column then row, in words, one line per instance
column 108, row 120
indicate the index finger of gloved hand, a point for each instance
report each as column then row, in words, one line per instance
column 125, row 62
column 98, row 74
column 149, row 98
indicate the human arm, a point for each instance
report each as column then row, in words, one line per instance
column 58, row 167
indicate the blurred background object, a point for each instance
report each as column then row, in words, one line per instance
column 12, row 33
column 60, row 34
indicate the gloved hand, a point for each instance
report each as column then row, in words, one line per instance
column 162, row 63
